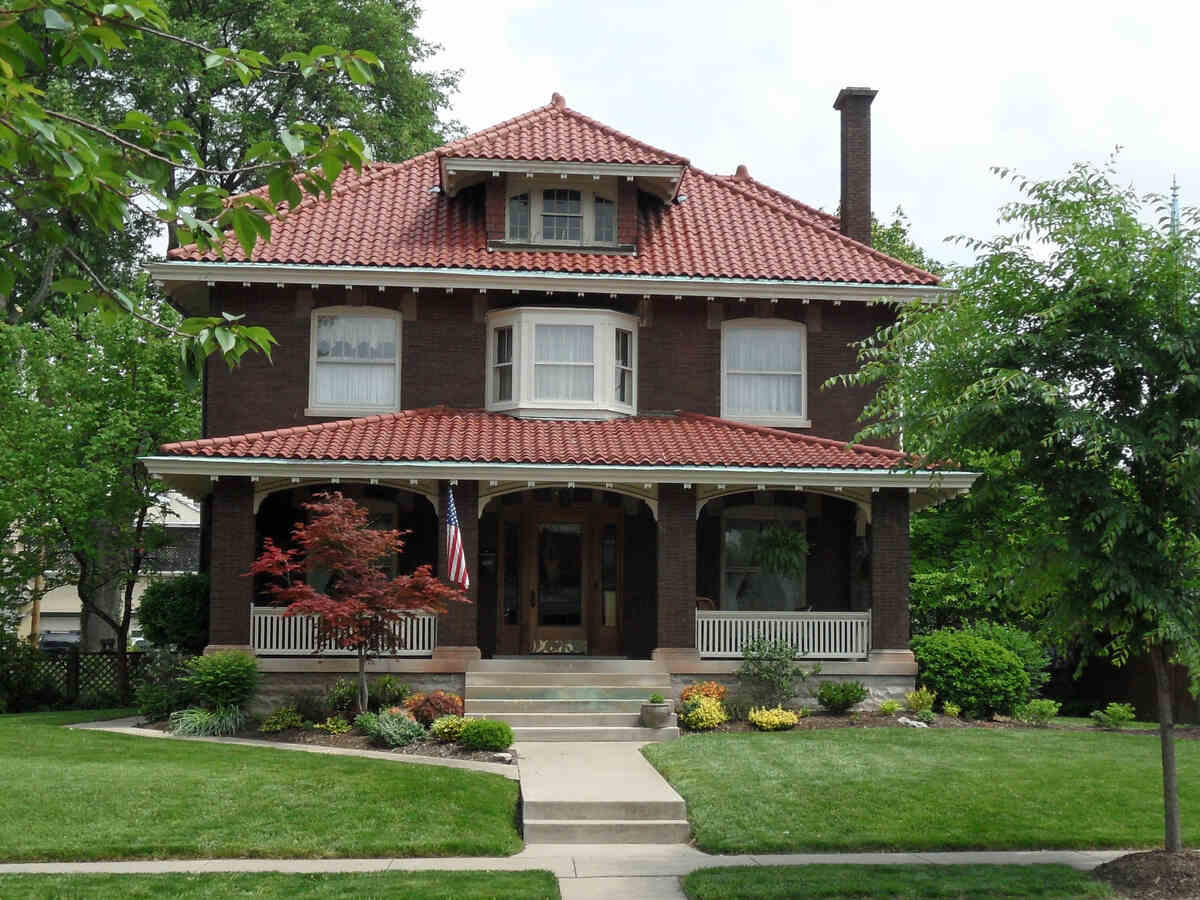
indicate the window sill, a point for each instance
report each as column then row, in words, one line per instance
column 340, row 413
column 544, row 246
column 771, row 421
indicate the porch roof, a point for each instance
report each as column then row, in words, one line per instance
column 439, row 442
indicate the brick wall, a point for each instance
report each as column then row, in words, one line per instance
column 232, row 535
column 855, row 106
column 890, row 556
column 676, row 566
column 459, row 627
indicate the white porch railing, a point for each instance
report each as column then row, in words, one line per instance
column 815, row 635
column 273, row 635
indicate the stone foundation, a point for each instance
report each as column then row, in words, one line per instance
column 276, row 689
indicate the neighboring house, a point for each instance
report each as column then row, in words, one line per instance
column 56, row 618
column 615, row 362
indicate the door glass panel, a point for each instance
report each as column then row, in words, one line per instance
column 608, row 576
column 560, row 574
column 510, row 600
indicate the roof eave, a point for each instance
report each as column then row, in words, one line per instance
column 664, row 178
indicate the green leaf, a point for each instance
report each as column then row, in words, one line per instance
column 54, row 20
column 213, row 61
column 294, row 144
column 69, row 285
column 225, row 338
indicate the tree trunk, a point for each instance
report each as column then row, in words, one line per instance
column 363, row 699
column 1166, row 732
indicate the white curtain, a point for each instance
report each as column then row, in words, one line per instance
column 563, row 362
column 356, row 361
column 778, row 353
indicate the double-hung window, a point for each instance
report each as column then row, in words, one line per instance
column 764, row 372
column 562, row 211
column 564, row 362
column 562, row 215
column 354, row 368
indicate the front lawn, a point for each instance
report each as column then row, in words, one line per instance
column 81, row 795
column 936, row 789
column 395, row 885
column 834, row 882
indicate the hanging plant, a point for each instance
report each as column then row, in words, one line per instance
column 782, row 551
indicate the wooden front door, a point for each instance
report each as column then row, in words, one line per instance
column 559, row 579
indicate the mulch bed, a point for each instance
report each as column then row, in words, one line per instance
column 1155, row 875
column 352, row 740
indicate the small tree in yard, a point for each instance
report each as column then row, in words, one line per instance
column 362, row 602
column 1073, row 347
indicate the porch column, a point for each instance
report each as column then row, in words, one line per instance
column 890, row 557
column 676, row 627
column 232, row 536
column 458, row 629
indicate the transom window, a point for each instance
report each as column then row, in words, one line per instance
column 569, row 363
column 354, row 366
column 574, row 211
column 764, row 372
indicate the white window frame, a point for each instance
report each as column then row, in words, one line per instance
column 780, row 514
column 788, row 421
column 524, row 321
column 604, row 186
column 350, row 411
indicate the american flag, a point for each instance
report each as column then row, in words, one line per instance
column 455, row 557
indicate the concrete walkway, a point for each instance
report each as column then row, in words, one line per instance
column 584, row 871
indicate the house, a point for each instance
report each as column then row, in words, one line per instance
column 56, row 617
column 613, row 360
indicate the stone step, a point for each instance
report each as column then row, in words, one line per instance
column 644, row 681
column 614, row 810
column 585, row 733
column 567, row 664
column 556, row 692
column 607, row 831
column 564, row 720
column 502, row 708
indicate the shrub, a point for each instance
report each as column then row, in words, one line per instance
column 486, row 734
column 312, row 705
column 21, row 686
column 703, row 713
column 97, row 698
column 656, row 697
column 427, row 707
column 1037, row 712
column 173, row 612
column 333, row 725
column 447, row 729
column 161, row 686
column 196, row 721
column 1114, row 715
column 738, row 706
column 713, row 689
column 769, row 672
column 979, row 675
column 953, row 710
column 890, row 707
column 394, row 729
column 839, row 696
column 926, row 716
column 777, row 719
column 1032, row 655
column 281, row 720
column 226, row 679
column 919, row 700
column 386, row 691
column 341, row 695
column 367, row 723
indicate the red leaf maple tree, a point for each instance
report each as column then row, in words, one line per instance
column 362, row 603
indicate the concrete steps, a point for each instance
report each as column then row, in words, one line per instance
column 568, row 699
column 599, row 831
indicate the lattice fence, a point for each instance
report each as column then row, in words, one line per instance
column 74, row 674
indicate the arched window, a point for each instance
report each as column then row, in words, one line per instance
column 354, row 368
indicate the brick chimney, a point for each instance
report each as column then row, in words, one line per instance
column 854, row 103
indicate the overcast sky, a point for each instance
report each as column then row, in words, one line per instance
column 962, row 87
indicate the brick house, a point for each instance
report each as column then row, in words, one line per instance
column 614, row 360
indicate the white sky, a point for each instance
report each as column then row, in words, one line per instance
column 962, row 87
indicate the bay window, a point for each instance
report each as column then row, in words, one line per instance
column 354, row 363
column 764, row 372
column 576, row 363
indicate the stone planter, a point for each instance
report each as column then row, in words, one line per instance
column 656, row 715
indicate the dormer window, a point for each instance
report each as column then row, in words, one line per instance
column 562, row 363
column 573, row 212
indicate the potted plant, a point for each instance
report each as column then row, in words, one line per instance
column 656, row 712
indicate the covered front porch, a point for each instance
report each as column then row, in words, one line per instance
column 678, row 560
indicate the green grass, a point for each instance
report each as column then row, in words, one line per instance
column 892, row 882
column 80, row 795
column 908, row 789
column 395, row 885
column 1089, row 722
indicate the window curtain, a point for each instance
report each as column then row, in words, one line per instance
column 776, row 353
column 563, row 363
column 356, row 361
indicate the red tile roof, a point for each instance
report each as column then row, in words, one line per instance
column 440, row 434
column 556, row 133
column 393, row 215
